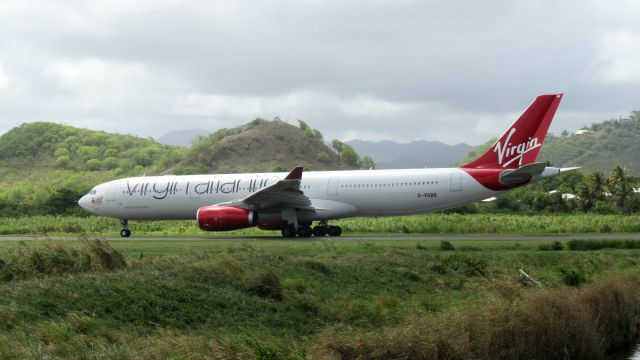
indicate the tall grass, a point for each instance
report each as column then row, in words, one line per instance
column 602, row 244
column 548, row 324
column 417, row 224
column 192, row 299
column 53, row 258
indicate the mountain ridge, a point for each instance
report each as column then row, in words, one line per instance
column 389, row 154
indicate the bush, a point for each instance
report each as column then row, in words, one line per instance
column 63, row 162
column 603, row 244
column 446, row 246
column 554, row 246
column 51, row 258
column 94, row 164
column 571, row 277
column 549, row 324
column 322, row 156
column 266, row 285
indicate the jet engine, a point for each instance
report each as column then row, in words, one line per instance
column 224, row 218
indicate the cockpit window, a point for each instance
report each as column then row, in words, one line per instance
column 93, row 192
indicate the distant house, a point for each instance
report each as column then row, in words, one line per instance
column 565, row 196
column 583, row 131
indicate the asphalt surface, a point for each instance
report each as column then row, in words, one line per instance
column 423, row 237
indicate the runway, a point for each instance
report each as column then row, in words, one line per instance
column 402, row 237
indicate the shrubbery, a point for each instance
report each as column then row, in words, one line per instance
column 54, row 258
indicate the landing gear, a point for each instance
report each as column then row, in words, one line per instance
column 320, row 230
column 334, row 230
column 125, row 232
column 304, row 231
column 289, row 231
column 323, row 229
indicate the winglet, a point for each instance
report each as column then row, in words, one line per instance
column 295, row 174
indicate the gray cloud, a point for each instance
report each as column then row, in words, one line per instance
column 439, row 70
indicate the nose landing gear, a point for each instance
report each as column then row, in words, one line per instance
column 125, row 232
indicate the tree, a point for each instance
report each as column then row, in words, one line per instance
column 303, row 125
column 61, row 152
column 308, row 132
column 143, row 158
column 367, row 163
column 88, row 152
column 585, row 200
column 94, row 164
column 596, row 187
column 63, row 162
column 337, row 145
column 349, row 155
column 619, row 187
column 323, row 156
column 62, row 200
column 317, row 134
column 110, row 163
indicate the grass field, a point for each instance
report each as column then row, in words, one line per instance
column 315, row 299
column 419, row 224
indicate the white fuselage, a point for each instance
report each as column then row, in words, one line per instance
column 333, row 194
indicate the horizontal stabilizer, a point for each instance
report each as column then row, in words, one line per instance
column 521, row 174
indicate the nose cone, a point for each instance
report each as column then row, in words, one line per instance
column 84, row 202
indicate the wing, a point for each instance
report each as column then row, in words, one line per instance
column 284, row 193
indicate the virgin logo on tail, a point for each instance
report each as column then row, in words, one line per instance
column 508, row 153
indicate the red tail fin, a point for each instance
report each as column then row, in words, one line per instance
column 521, row 143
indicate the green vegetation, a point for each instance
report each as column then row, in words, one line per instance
column 608, row 144
column 317, row 299
column 45, row 167
column 309, row 132
column 351, row 157
column 418, row 224
column 593, row 193
column 51, row 258
column 259, row 146
column 82, row 149
column 601, row 244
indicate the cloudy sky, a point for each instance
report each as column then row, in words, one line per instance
column 454, row 71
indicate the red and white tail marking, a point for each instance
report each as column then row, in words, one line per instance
column 520, row 144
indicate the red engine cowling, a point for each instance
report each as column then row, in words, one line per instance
column 224, row 218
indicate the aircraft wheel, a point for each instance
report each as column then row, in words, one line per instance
column 334, row 231
column 304, row 231
column 125, row 233
column 320, row 231
column 288, row 232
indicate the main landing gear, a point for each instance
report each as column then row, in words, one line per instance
column 125, row 232
column 305, row 230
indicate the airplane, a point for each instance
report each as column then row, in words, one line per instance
column 292, row 202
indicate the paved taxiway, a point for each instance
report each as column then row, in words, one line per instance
column 425, row 237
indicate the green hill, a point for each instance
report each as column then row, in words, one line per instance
column 608, row 144
column 261, row 146
column 46, row 167
column 56, row 146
